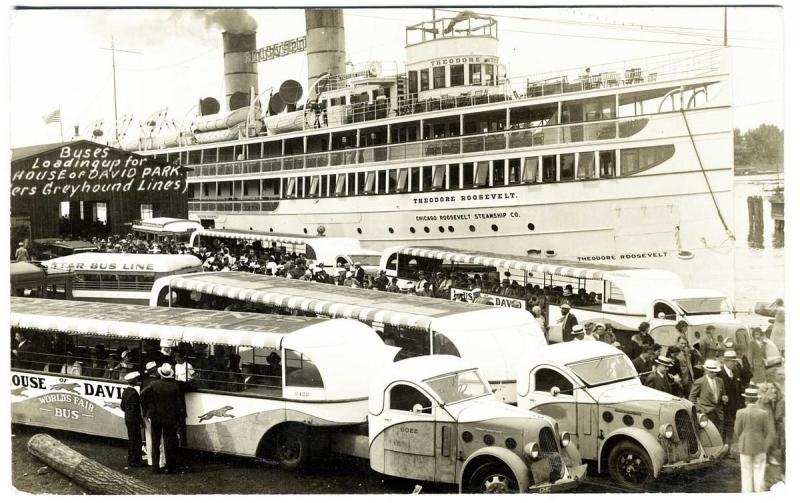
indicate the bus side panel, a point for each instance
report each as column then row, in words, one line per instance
column 68, row 403
column 327, row 414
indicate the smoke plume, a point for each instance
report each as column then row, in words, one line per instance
column 230, row 20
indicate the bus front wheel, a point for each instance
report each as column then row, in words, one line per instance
column 492, row 477
column 292, row 447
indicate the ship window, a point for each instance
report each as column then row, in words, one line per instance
column 475, row 74
column 488, row 75
column 369, row 185
column 194, row 157
column 225, row 154
column 608, row 162
column 514, row 171
column 340, row 181
column 456, row 75
column 585, row 165
column 438, row 77
column 415, row 178
column 413, row 82
column 482, row 174
column 454, row 175
column 290, row 187
column 469, row 173
column 382, row 182
column 438, row 177
column 549, row 168
column 392, row 181
column 635, row 160
column 427, row 178
column 567, row 167
column 314, row 187
column 402, row 181
column 423, row 80
column 531, row 171
column 352, row 184
column 498, row 172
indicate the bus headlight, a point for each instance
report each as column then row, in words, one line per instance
column 565, row 439
column 532, row 450
column 702, row 420
column 667, row 431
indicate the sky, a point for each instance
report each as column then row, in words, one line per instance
column 58, row 59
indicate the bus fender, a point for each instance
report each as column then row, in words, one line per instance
column 521, row 471
column 710, row 436
column 650, row 444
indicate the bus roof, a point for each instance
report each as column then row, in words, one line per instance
column 166, row 224
column 25, row 271
column 297, row 239
column 560, row 267
column 123, row 262
column 335, row 301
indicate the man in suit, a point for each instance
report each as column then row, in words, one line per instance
column 644, row 362
column 733, row 385
column 708, row 393
column 165, row 411
column 131, row 407
column 567, row 322
column 659, row 379
column 359, row 273
column 756, row 433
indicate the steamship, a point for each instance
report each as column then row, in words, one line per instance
column 627, row 163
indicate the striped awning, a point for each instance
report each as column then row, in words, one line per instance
column 252, row 236
column 270, row 295
column 568, row 268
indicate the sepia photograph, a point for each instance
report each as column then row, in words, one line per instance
column 373, row 249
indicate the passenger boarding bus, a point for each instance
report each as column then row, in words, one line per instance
column 319, row 250
column 490, row 337
column 165, row 228
column 268, row 378
column 620, row 296
column 120, row 277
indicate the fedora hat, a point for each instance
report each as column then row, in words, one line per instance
column 751, row 393
column 663, row 360
column 711, row 365
column 730, row 355
column 165, row 371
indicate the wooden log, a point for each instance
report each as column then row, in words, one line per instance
column 86, row 472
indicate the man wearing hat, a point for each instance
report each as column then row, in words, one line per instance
column 659, row 378
column 21, row 255
column 359, row 273
column 733, row 385
column 756, row 434
column 163, row 408
column 708, row 345
column 579, row 334
column 708, row 393
column 568, row 321
column 131, row 407
column 477, row 298
column 639, row 339
column 382, row 281
column 149, row 376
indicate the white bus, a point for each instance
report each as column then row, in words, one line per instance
column 120, row 277
column 620, row 296
column 327, row 251
column 165, row 228
column 287, row 388
column 490, row 337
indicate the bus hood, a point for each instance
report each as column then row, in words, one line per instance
column 632, row 391
column 485, row 408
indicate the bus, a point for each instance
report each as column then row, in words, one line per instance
column 284, row 388
column 619, row 296
column 31, row 280
column 48, row 248
column 165, row 228
column 490, row 337
column 120, row 277
column 329, row 253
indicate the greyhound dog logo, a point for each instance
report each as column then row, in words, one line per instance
column 65, row 386
column 19, row 391
column 221, row 412
column 111, row 405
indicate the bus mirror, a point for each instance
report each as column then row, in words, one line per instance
column 555, row 390
column 417, row 408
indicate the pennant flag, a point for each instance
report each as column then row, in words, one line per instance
column 54, row 116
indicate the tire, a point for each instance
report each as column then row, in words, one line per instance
column 291, row 447
column 492, row 477
column 629, row 466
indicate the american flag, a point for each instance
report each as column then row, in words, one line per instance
column 54, row 116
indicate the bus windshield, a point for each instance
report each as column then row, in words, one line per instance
column 603, row 370
column 709, row 305
column 460, row 386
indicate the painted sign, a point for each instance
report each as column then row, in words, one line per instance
column 278, row 50
column 459, row 294
column 74, row 172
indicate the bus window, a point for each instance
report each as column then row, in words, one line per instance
column 545, row 379
column 444, row 346
column 404, row 397
column 664, row 311
column 613, row 294
column 301, row 371
column 391, row 264
column 412, row 342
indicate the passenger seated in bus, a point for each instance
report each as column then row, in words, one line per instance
column 73, row 365
column 112, row 370
column 126, row 364
column 97, row 364
column 22, row 351
column 273, row 364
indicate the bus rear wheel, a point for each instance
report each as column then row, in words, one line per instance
column 292, row 447
column 491, row 478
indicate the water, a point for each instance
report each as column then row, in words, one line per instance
column 758, row 272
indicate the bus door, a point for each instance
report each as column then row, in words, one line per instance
column 552, row 394
column 409, row 432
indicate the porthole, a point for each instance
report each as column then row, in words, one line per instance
column 472, row 228
column 305, row 231
column 426, row 229
column 441, row 229
column 607, row 416
column 511, row 443
column 531, row 227
column 450, row 228
column 391, row 230
column 648, row 423
column 466, row 437
column 270, row 229
column 488, row 439
column 494, row 227
column 628, row 420
column 358, row 230
column 413, row 230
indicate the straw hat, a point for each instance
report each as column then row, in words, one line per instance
column 711, row 365
column 165, row 371
column 663, row 360
column 578, row 330
column 565, row 306
column 131, row 376
column 751, row 393
column 730, row 355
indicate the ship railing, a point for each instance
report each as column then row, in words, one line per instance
column 518, row 136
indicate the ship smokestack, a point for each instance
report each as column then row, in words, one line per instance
column 325, row 47
column 240, row 74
